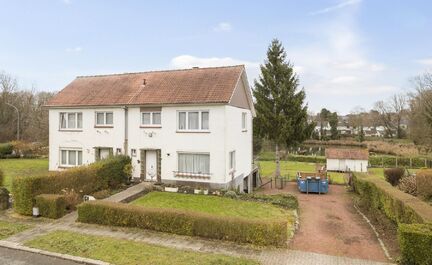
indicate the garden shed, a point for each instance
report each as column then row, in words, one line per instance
column 342, row 159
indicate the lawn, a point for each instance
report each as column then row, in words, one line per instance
column 123, row 252
column 290, row 169
column 21, row 167
column 212, row 205
column 8, row 229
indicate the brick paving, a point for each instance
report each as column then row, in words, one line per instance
column 267, row 256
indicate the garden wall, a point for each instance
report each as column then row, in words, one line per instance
column 185, row 223
column 409, row 213
column 107, row 173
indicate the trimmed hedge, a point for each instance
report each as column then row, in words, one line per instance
column 415, row 242
column 6, row 149
column 82, row 180
column 377, row 194
column 51, row 205
column 185, row 223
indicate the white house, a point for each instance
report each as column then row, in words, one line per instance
column 191, row 126
column 340, row 159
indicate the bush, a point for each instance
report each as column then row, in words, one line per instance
column 82, row 180
column 424, row 183
column 185, row 223
column 415, row 242
column 408, row 185
column 378, row 195
column 51, row 205
column 231, row 194
column 393, row 175
column 6, row 149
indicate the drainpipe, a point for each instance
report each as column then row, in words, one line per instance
column 126, row 132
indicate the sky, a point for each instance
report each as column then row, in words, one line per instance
column 347, row 53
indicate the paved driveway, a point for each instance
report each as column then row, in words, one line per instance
column 16, row 257
column 330, row 225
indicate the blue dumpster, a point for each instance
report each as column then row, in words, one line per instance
column 312, row 182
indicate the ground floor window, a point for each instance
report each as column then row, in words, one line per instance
column 70, row 157
column 196, row 163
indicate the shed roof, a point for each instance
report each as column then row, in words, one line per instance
column 344, row 153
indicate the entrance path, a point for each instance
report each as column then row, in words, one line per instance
column 329, row 224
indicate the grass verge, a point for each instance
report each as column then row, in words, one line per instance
column 8, row 229
column 122, row 252
column 219, row 206
column 22, row 167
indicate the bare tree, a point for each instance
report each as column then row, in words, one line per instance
column 421, row 109
column 391, row 114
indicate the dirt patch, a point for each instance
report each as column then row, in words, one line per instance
column 329, row 224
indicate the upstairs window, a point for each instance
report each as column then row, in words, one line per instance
column 70, row 120
column 193, row 121
column 244, row 121
column 151, row 118
column 104, row 119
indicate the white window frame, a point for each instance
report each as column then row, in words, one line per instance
column 244, row 121
column 232, row 160
column 151, row 124
column 66, row 117
column 200, row 129
column 194, row 153
column 68, row 150
column 104, row 124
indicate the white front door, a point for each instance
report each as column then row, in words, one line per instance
column 104, row 153
column 151, row 165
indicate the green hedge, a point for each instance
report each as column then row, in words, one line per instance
column 6, row 149
column 1, row 178
column 51, row 205
column 415, row 242
column 270, row 156
column 377, row 194
column 82, row 180
column 390, row 161
column 185, row 223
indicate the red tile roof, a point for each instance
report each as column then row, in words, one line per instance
column 187, row 86
column 352, row 154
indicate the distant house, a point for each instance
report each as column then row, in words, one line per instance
column 347, row 159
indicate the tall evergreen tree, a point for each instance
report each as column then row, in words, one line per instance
column 279, row 103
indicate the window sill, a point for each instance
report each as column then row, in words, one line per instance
column 192, row 131
column 191, row 175
column 244, row 130
column 67, row 166
column 70, row 130
column 150, row 126
column 104, row 126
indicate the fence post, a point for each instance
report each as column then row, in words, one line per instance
column 426, row 162
column 382, row 162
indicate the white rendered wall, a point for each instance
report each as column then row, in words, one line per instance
column 343, row 165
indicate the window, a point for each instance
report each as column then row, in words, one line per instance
column 194, row 163
column 151, row 118
column 232, row 160
column 104, row 118
column 244, row 124
column 70, row 158
column 193, row 120
column 70, row 120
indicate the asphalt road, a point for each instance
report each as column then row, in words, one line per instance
column 16, row 257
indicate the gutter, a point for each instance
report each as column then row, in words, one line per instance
column 126, row 131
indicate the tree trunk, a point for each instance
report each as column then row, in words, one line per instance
column 277, row 161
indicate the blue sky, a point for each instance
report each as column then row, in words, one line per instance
column 347, row 53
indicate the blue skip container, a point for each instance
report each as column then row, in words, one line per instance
column 312, row 182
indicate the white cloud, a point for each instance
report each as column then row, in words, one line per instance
column 77, row 49
column 223, row 27
column 344, row 79
column 335, row 7
column 425, row 61
column 189, row 61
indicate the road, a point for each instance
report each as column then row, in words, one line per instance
column 16, row 257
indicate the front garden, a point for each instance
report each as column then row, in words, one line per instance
column 8, row 229
column 125, row 252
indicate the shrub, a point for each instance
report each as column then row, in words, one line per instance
column 378, row 195
column 185, row 223
column 1, row 178
column 82, row 180
column 231, row 194
column 415, row 242
column 408, row 185
column 51, row 205
column 6, row 149
column 424, row 183
column 393, row 175
column 286, row 201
